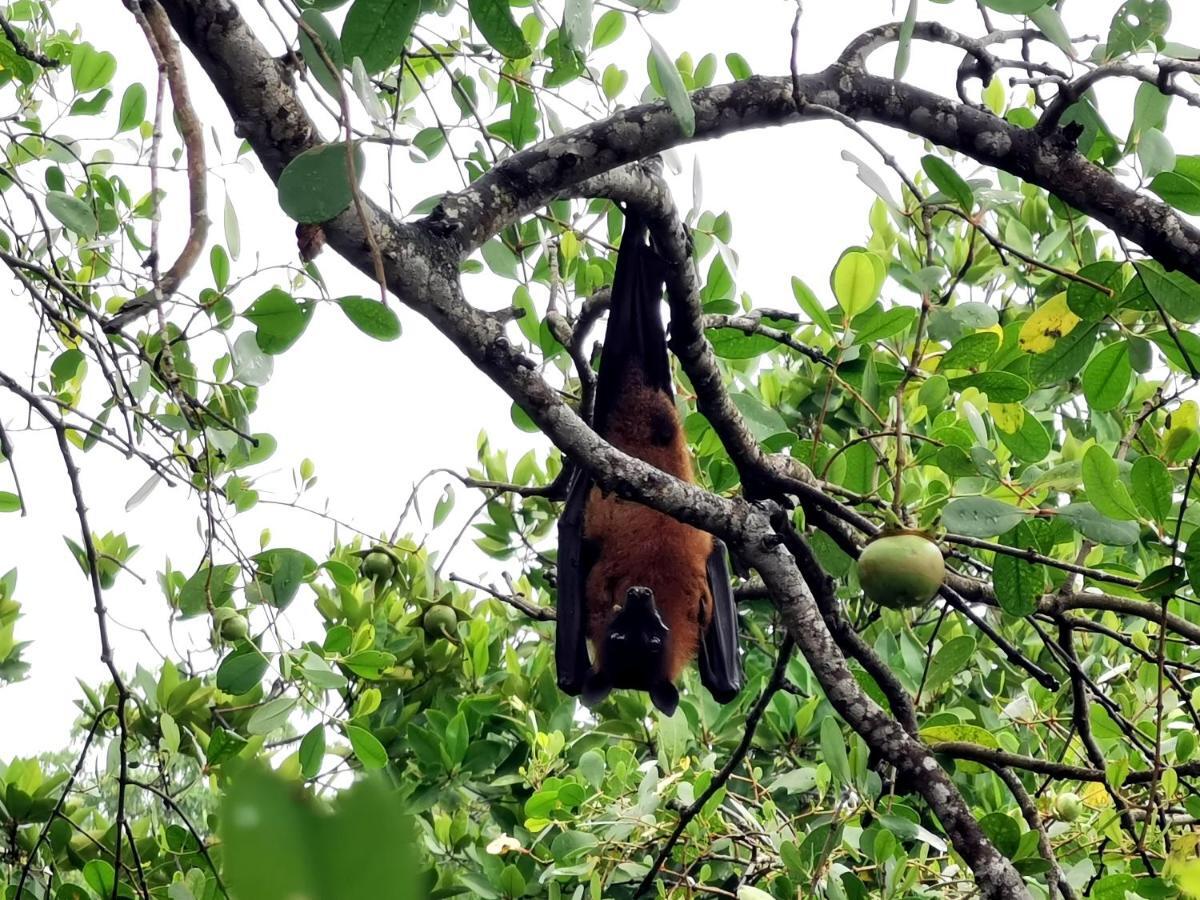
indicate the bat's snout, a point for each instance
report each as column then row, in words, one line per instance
column 640, row 598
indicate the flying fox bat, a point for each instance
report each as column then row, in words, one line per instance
column 648, row 593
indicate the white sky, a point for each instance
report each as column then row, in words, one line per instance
column 795, row 206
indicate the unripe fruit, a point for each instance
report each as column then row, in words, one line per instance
column 439, row 621
column 1068, row 807
column 235, row 627
column 901, row 570
column 378, row 565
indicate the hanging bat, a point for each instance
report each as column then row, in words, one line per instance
column 647, row 592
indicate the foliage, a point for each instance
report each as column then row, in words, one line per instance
column 989, row 365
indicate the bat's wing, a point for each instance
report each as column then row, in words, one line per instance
column 570, row 639
column 634, row 340
column 720, row 661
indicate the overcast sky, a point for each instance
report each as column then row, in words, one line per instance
column 375, row 417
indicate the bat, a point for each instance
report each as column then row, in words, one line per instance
column 647, row 592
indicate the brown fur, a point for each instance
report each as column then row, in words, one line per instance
column 638, row 546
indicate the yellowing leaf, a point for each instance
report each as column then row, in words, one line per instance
column 1007, row 416
column 1051, row 321
column 1095, row 795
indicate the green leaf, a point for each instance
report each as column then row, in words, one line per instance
column 312, row 752
column 241, row 670
column 970, row 351
column 91, row 69
column 233, row 234
column 970, row 734
column 1068, row 355
column 1014, row 7
column 1163, row 581
column 100, row 876
column 763, row 421
column 72, row 212
column 218, row 261
column 980, row 517
column 1152, row 488
column 1174, row 291
column 1018, row 583
column 9, row 502
column 730, row 343
column 279, row 320
column 1178, row 190
column 1105, row 490
column 1003, row 832
column 609, row 27
column 1086, row 301
column 1001, row 387
column 271, row 716
column 1095, row 526
column 1030, row 442
column 315, row 186
column 457, row 739
column 92, row 106
column 812, row 307
column 949, row 182
column 208, row 587
column 317, row 67
column 284, row 569
column 876, row 324
column 1106, row 378
column 738, row 67
column 950, row 659
column 1156, row 156
column 1047, row 19
column 577, row 23
column 371, row 317
column 376, row 31
column 833, row 750
column 857, row 279
column 676, row 92
column 904, row 44
column 278, row 844
column 133, row 108
column 495, row 22
column 366, row 747
column 1136, row 23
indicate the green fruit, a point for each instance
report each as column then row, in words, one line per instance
column 901, row 570
column 235, row 627
column 1068, row 807
column 439, row 621
column 378, row 566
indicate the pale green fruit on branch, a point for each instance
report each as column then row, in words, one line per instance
column 1068, row 807
column 901, row 570
column 235, row 627
column 378, row 566
column 439, row 621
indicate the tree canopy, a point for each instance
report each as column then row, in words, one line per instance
column 1004, row 362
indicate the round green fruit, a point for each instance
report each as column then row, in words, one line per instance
column 901, row 570
column 1068, row 807
column 378, row 565
column 439, row 621
column 235, row 627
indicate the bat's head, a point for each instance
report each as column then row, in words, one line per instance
column 635, row 653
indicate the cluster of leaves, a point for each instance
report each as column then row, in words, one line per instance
column 1037, row 372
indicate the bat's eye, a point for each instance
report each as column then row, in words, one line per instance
column 618, row 636
column 655, row 642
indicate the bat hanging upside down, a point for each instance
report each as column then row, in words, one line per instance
column 648, row 593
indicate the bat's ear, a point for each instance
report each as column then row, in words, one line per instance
column 665, row 697
column 596, row 688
